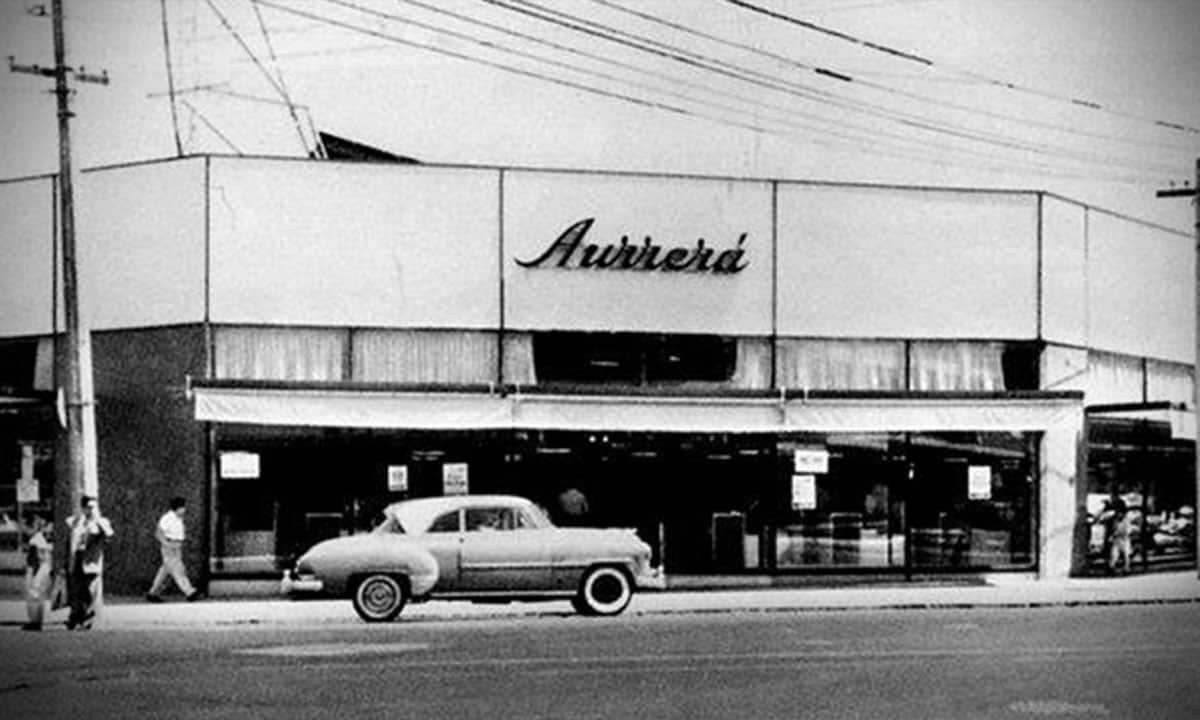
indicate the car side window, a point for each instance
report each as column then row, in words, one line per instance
column 445, row 523
column 484, row 519
column 524, row 520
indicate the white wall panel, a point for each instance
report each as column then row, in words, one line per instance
column 26, row 257
column 883, row 262
column 1064, row 272
column 316, row 243
column 140, row 241
column 1141, row 289
column 674, row 212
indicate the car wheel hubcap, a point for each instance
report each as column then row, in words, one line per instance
column 607, row 589
column 379, row 596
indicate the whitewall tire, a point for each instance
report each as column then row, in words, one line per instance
column 379, row 597
column 604, row 590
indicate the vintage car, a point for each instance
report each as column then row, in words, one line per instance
column 485, row 548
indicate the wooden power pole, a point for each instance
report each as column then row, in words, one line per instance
column 1192, row 193
column 77, row 465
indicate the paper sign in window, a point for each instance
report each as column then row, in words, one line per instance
column 454, row 479
column 979, row 482
column 814, row 461
column 397, row 478
column 804, row 492
column 240, row 465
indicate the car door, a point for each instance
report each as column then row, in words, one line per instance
column 502, row 553
column 444, row 540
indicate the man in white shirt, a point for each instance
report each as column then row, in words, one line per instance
column 170, row 535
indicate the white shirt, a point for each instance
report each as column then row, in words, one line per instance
column 170, row 526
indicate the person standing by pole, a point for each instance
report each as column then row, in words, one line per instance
column 77, row 442
column 37, row 571
column 90, row 532
column 170, row 534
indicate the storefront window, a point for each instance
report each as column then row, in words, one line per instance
column 1138, row 468
column 971, row 499
column 633, row 358
column 948, row 500
column 28, row 486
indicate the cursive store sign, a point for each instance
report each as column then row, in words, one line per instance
column 571, row 251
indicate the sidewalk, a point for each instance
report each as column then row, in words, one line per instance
column 998, row 590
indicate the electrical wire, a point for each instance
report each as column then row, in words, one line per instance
column 246, row 48
column 499, row 66
column 838, row 126
column 170, row 79
column 848, row 76
column 283, row 84
column 655, row 47
column 874, row 146
column 1078, row 102
column 196, row 114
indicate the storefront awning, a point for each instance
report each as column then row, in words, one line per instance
column 493, row 411
column 1177, row 419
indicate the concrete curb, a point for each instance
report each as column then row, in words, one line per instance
column 1001, row 591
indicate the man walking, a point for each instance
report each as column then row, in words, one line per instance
column 170, row 535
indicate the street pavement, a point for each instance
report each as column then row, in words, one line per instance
column 995, row 590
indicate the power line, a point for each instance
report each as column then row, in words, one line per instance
column 872, row 143
column 850, row 76
column 1078, row 102
column 872, row 137
column 670, row 52
column 245, row 47
column 170, row 79
column 639, row 101
column 501, row 66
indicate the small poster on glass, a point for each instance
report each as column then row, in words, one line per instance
column 979, row 482
column 804, row 492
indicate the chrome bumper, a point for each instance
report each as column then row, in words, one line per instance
column 293, row 584
column 651, row 579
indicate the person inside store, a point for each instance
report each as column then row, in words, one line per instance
column 573, row 506
column 37, row 570
column 90, row 531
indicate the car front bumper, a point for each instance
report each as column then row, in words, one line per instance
column 296, row 585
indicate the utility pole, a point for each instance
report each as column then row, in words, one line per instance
column 1192, row 193
column 77, row 468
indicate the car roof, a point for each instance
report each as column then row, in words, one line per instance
column 415, row 515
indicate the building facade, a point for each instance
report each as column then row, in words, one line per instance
column 762, row 377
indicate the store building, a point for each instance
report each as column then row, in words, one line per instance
column 763, row 377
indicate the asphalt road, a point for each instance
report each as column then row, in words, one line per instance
column 1139, row 661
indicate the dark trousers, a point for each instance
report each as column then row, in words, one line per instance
column 83, row 595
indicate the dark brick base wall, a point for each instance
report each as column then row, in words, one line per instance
column 150, row 447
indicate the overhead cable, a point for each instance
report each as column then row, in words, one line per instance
column 319, row 150
column 839, row 126
column 846, row 76
column 658, row 48
column 1078, row 102
column 257, row 63
column 870, row 143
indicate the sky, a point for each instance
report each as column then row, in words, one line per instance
column 1096, row 100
